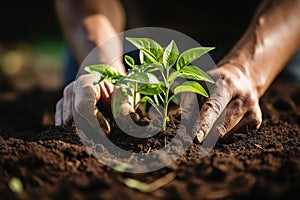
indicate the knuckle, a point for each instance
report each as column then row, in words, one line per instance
column 222, row 129
column 226, row 79
column 238, row 108
column 213, row 105
column 68, row 89
column 250, row 98
column 78, row 107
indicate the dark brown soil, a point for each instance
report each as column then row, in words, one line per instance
column 52, row 163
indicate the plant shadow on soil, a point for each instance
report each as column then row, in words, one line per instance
column 52, row 163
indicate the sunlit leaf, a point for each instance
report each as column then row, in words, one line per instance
column 193, row 72
column 149, row 89
column 148, row 44
column 170, row 55
column 151, row 68
column 173, row 76
column 104, row 71
column 174, row 99
column 148, row 56
column 129, row 60
column 190, row 55
column 191, row 86
column 142, row 77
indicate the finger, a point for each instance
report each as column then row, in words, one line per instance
column 212, row 110
column 85, row 99
column 122, row 104
column 67, row 104
column 230, row 117
column 109, row 87
column 122, row 107
column 103, row 123
column 104, row 92
column 58, row 112
column 252, row 120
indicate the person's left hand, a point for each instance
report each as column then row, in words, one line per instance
column 80, row 97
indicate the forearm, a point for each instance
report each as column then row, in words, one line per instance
column 88, row 23
column 270, row 41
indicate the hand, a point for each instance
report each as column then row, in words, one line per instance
column 83, row 95
column 233, row 104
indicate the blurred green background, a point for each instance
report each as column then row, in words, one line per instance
column 31, row 45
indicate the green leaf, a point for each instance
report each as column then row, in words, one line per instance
column 149, row 100
column 174, row 99
column 191, row 86
column 104, row 71
column 100, row 68
column 129, row 60
column 146, row 99
column 148, row 56
column 193, row 72
column 113, row 79
column 141, row 77
column 173, row 76
column 150, row 45
column 151, row 68
column 156, row 99
column 149, row 89
column 170, row 55
column 190, row 55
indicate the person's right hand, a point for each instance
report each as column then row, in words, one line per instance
column 233, row 104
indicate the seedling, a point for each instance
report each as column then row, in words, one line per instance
column 155, row 78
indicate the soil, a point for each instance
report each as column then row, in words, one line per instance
column 52, row 163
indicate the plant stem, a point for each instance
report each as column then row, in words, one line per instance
column 134, row 95
column 166, row 101
column 166, row 110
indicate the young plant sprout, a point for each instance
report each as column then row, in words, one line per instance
column 155, row 78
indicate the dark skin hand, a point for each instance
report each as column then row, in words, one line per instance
column 245, row 73
column 249, row 68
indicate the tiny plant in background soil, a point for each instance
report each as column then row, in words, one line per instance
column 154, row 79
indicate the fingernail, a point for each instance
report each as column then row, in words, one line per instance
column 200, row 136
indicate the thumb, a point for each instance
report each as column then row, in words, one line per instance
column 85, row 97
column 123, row 109
column 122, row 103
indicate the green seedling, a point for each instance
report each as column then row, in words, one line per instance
column 155, row 78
